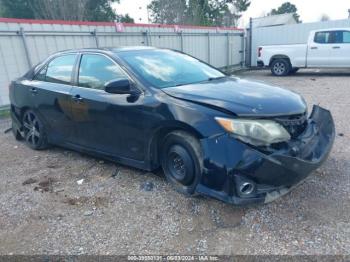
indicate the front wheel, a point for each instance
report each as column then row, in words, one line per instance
column 280, row 67
column 34, row 131
column 181, row 161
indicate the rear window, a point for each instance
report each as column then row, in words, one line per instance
column 59, row 70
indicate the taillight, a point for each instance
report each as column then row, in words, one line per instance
column 259, row 51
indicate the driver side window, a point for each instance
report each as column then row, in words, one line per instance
column 96, row 70
column 323, row 37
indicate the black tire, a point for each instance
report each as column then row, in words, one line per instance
column 34, row 131
column 16, row 133
column 280, row 67
column 181, row 159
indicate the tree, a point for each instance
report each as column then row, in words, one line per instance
column 81, row 10
column 125, row 19
column 168, row 11
column 233, row 11
column 99, row 10
column 324, row 18
column 287, row 8
column 16, row 9
column 198, row 12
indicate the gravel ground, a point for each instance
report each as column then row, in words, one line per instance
column 120, row 210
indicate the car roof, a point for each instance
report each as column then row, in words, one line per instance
column 109, row 49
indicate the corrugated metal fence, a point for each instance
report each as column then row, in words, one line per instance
column 288, row 34
column 24, row 43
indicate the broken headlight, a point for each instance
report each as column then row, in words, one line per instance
column 255, row 132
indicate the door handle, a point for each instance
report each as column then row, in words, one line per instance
column 77, row 98
column 33, row 90
column 336, row 47
column 314, row 47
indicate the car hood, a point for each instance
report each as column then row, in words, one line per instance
column 241, row 97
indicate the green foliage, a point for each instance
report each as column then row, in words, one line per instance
column 100, row 10
column 198, row 12
column 287, row 8
column 168, row 11
column 16, row 9
column 241, row 5
column 125, row 19
column 4, row 113
column 81, row 10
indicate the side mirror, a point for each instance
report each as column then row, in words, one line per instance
column 120, row 86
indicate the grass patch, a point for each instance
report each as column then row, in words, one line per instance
column 4, row 113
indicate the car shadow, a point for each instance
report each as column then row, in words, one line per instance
column 322, row 73
column 315, row 73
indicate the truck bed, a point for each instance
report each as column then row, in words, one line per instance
column 297, row 53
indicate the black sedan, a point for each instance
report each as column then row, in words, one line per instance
column 235, row 140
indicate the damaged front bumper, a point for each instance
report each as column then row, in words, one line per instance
column 237, row 173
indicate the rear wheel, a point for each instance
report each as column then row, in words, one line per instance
column 16, row 133
column 280, row 67
column 181, row 161
column 34, row 131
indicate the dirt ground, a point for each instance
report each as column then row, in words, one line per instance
column 120, row 210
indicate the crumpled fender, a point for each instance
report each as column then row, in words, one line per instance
column 225, row 158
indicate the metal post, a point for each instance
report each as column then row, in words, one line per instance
column 149, row 39
column 243, row 50
column 182, row 41
column 209, row 48
column 145, row 34
column 250, row 41
column 25, row 45
column 228, row 50
column 94, row 33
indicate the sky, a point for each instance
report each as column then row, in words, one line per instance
column 309, row 10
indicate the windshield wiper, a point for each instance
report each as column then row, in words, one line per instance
column 209, row 79
column 183, row 84
column 216, row 78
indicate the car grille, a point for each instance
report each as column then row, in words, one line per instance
column 295, row 125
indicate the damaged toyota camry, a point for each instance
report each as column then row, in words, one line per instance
column 238, row 141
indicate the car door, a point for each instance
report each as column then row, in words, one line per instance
column 105, row 122
column 50, row 89
column 319, row 50
column 340, row 51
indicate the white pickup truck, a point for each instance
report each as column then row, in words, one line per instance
column 328, row 48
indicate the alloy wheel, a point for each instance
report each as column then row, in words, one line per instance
column 279, row 68
column 32, row 129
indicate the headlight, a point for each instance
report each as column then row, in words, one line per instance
column 255, row 132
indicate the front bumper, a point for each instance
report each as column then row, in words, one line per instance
column 228, row 163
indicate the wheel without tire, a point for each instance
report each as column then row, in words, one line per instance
column 280, row 67
column 34, row 131
column 182, row 161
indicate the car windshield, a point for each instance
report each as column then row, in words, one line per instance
column 166, row 68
